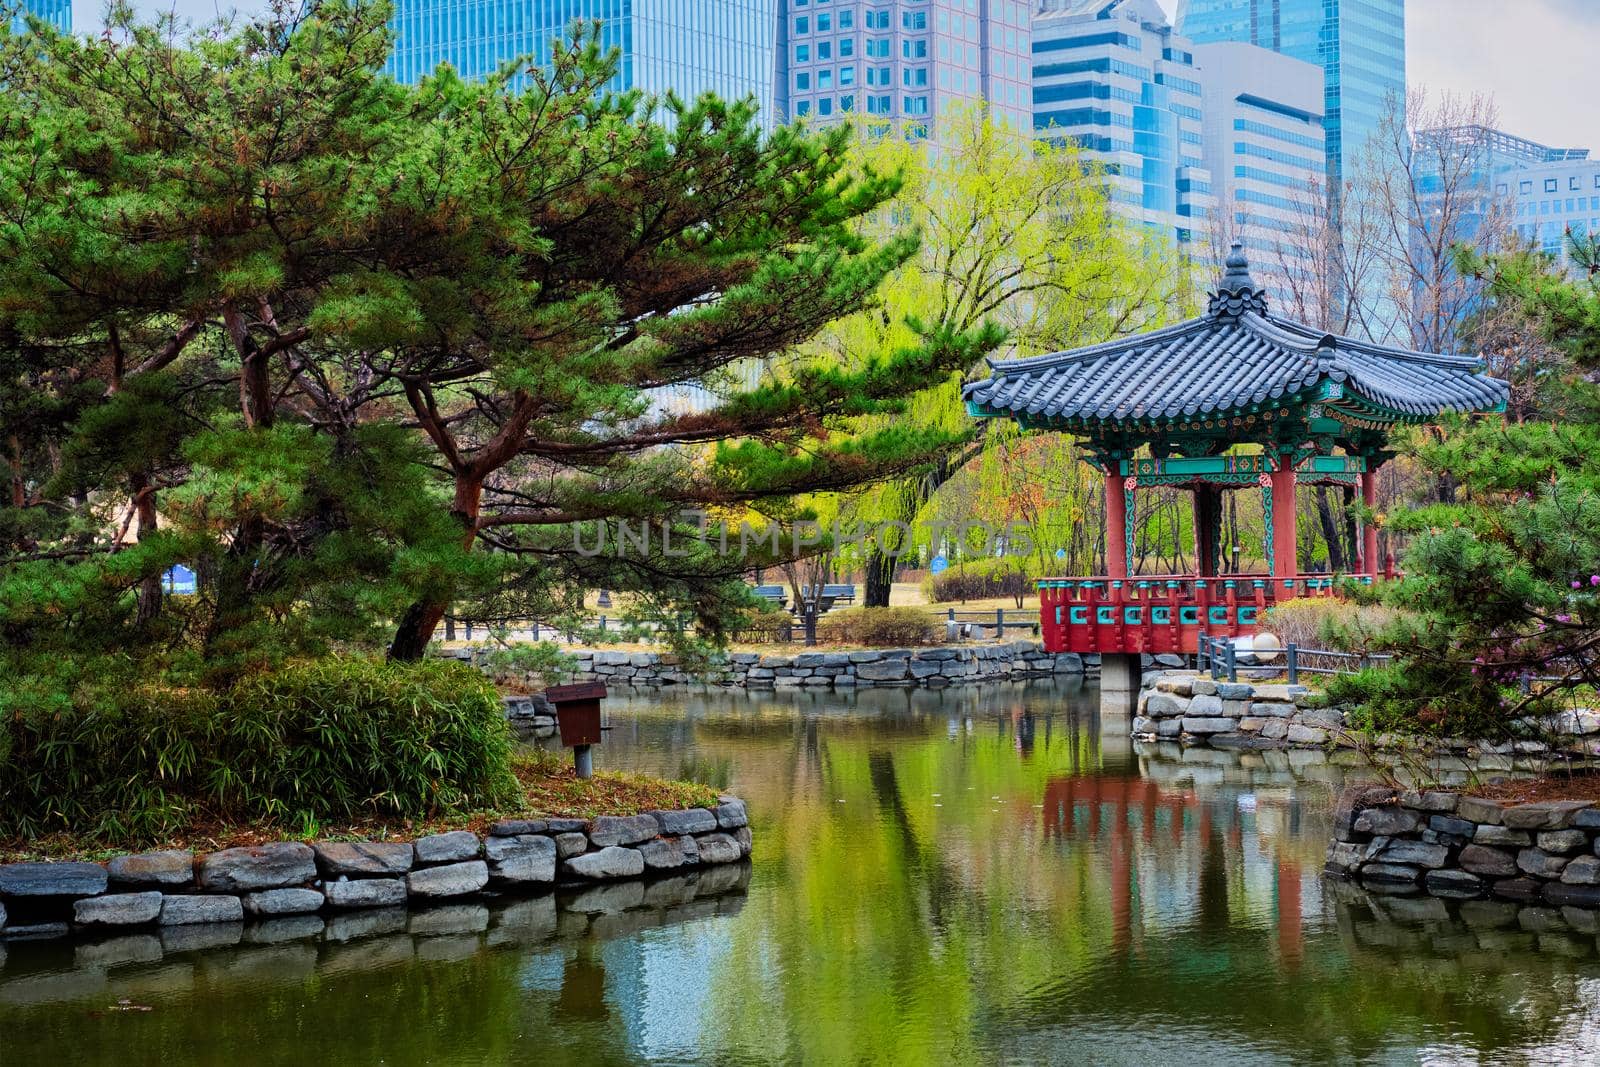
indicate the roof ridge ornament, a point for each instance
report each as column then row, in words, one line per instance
column 1237, row 292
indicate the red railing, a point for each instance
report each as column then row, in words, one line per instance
column 1166, row 613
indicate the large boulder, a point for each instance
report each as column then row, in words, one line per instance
column 524, row 860
column 450, row 880
column 608, row 830
column 169, row 867
column 883, row 670
column 183, row 910
column 365, row 893
column 612, row 861
column 283, row 902
column 52, row 879
column 363, row 857
column 688, row 821
column 272, row 866
column 718, row 848
column 731, row 813
column 453, row 847
column 666, row 853
column 118, row 909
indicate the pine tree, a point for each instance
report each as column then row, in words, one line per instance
column 1502, row 585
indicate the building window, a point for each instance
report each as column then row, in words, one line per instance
column 802, row 24
column 803, row 108
column 802, row 81
column 913, row 20
column 914, row 49
column 878, row 48
column 1572, row 183
column 847, row 20
column 824, row 24
column 1501, row 189
column 847, row 75
column 1597, row 181
column 847, row 47
column 877, row 20
column 1551, row 185
column 1525, row 187
column 825, row 106
column 802, row 53
column 824, row 49
column 847, row 102
column 915, row 77
column 916, row 105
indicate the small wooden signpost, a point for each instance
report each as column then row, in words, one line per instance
column 578, row 717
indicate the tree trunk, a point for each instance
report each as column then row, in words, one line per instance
column 144, row 507
column 1330, row 531
column 422, row 618
column 879, row 579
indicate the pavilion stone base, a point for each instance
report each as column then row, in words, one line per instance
column 1444, row 844
column 1120, row 672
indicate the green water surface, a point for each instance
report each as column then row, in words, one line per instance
column 988, row 875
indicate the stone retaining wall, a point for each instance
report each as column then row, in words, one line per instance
column 1190, row 707
column 932, row 667
column 285, row 878
column 1460, row 847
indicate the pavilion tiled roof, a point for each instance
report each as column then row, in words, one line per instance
column 1235, row 358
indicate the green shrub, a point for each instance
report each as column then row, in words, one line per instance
column 878, row 627
column 765, row 621
column 311, row 742
column 978, row 580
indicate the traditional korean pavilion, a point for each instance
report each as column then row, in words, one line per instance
column 1163, row 408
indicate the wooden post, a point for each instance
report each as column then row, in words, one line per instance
column 1116, row 522
column 1369, row 530
column 1207, row 529
column 1284, row 551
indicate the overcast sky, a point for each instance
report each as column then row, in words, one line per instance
column 1538, row 58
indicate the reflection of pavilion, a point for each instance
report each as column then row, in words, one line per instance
column 1122, row 812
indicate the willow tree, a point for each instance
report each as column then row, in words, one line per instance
column 1015, row 232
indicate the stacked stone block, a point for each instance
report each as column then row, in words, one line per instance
column 289, row 878
column 1448, row 845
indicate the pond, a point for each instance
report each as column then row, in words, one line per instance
column 992, row 874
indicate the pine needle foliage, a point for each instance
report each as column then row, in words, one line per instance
column 1502, row 586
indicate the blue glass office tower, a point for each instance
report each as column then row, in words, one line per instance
column 1359, row 44
column 56, row 12
column 691, row 46
column 1112, row 76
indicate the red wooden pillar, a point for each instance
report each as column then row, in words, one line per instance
column 1207, row 528
column 1116, row 522
column 1369, row 530
column 1284, row 514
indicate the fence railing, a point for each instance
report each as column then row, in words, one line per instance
column 1220, row 656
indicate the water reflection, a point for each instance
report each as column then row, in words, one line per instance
column 983, row 874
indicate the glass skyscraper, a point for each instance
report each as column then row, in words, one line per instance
column 902, row 60
column 690, row 46
column 56, row 12
column 1112, row 76
column 1359, row 44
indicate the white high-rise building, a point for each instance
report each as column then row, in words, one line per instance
column 1265, row 147
column 1112, row 76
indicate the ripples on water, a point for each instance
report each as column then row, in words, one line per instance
column 983, row 875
